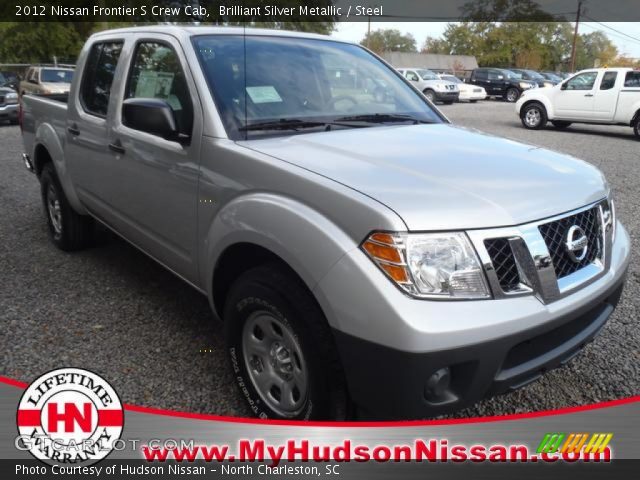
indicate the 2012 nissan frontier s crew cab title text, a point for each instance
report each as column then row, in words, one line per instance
column 364, row 254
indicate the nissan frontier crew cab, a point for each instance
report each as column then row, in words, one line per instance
column 364, row 254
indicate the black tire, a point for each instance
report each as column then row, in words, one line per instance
column 473, row 101
column 636, row 128
column 512, row 95
column 560, row 123
column 533, row 116
column 272, row 292
column 448, row 102
column 430, row 94
column 72, row 231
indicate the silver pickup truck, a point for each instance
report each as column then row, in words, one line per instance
column 364, row 254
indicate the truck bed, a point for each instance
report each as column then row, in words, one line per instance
column 48, row 111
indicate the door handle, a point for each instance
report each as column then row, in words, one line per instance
column 117, row 147
column 73, row 130
column 588, row 94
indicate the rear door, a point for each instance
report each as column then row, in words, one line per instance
column 155, row 198
column 87, row 128
column 605, row 97
column 574, row 101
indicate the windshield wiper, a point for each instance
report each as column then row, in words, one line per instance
column 382, row 118
column 283, row 124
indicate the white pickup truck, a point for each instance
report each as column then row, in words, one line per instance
column 605, row 96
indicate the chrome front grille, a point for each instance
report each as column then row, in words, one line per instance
column 535, row 258
column 555, row 235
column 504, row 263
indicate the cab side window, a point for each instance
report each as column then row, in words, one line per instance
column 582, row 81
column 98, row 77
column 632, row 79
column 156, row 73
column 608, row 80
column 413, row 76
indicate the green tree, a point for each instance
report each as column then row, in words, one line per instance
column 389, row 40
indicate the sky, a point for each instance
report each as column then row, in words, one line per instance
column 616, row 31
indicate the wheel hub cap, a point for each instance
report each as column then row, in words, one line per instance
column 273, row 357
column 53, row 207
column 532, row 117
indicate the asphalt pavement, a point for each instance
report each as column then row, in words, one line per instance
column 114, row 311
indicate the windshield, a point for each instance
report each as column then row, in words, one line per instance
column 289, row 80
column 451, row 78
column 512, row 75
column 427, row 74
column 3, row 80
column 50, row 75
column 534, row 74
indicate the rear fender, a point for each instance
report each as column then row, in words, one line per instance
column 47, row 137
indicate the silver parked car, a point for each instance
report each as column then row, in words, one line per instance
column 46, row 80
column 434, row 88
column 361, row 251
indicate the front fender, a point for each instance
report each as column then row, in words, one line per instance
column 536, row 97
column 47, row 137
column 304, row 238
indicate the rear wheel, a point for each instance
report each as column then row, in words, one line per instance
column 68, row 230
column 448, row 102
column 560, row 124
column 533, row 116
column 430, row 94
column 512, row 95
column 281, row 348
column 636, row 128
column 473, row 101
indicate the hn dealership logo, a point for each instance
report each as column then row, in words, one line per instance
column 69, row 415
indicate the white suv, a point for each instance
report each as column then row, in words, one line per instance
column 433, row 87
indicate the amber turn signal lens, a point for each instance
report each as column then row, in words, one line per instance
column 382, row 252
column 397, row 273
column 382, row 238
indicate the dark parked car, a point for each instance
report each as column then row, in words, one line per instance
column 534, row 76
column 554, row 77
column 499, row 82
column 9, row 80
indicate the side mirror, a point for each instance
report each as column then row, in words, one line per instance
column 563, row 86
column 152, row 115
column 33, row 81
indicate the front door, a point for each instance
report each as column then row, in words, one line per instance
column 575, row 98
column 156, row 197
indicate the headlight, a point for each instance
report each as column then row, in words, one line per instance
column 548, row 84
column 525, row 85
column 429, row 265
column 11, row 97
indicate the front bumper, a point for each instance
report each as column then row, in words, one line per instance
column 447, row 96
column 392, row 345
column 9, row 112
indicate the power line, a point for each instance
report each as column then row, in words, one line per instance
column 635, row 39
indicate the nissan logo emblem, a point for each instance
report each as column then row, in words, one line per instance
column 577, row 244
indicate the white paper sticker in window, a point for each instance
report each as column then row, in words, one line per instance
column 154, row 84
column 264, row 94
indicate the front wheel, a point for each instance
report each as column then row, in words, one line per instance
column 512, row 95
column 281, row 348
column 430, row 94
column 68, row 230
column 636, row 128
column 473, row 101
column 533, row 116
column 560, row 124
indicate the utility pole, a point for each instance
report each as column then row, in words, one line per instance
column 368, row 30
column 575, row 37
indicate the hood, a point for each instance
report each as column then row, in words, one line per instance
column 441, row 177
